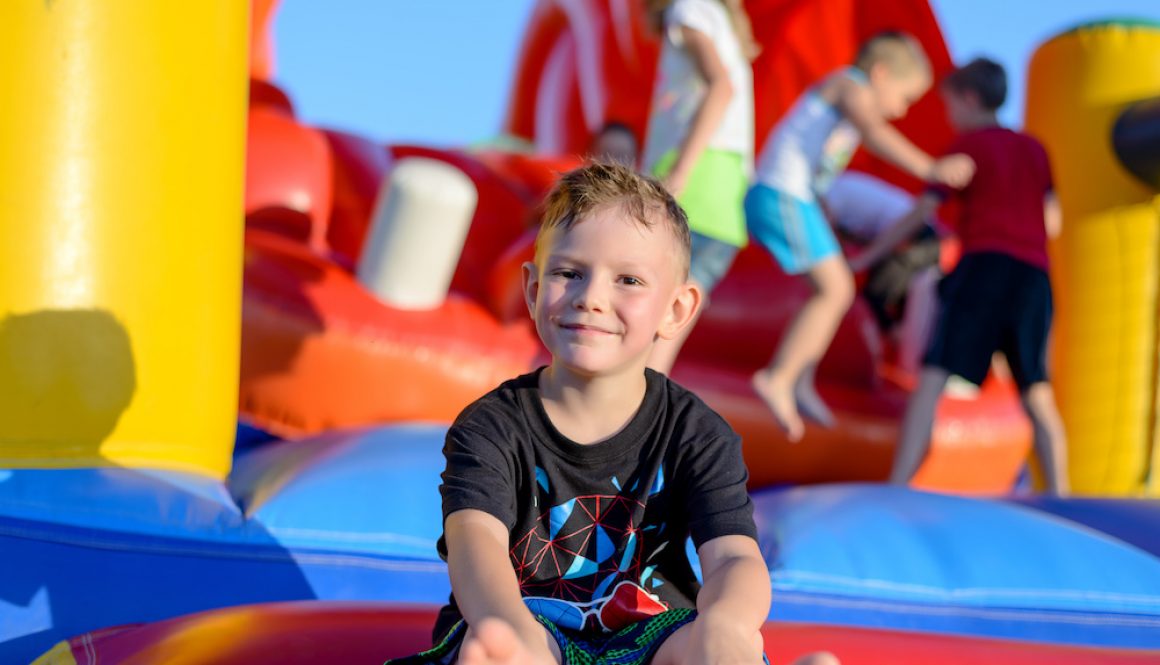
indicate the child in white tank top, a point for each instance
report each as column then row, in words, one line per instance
column 813, row 142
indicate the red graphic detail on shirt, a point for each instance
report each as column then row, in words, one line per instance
column 629, row 604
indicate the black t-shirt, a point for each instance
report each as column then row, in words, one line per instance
column 598, row 531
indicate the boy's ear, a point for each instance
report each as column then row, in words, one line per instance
column 972, row 99
column 531, row 286
column 683, row 309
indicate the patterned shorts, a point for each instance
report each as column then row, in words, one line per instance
column 635, row 644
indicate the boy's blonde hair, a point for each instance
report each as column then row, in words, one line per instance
column 640, row 197
column 899, row 52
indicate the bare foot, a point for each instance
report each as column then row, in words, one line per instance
column 493, row 642
column 818, row 658
column 810, row 403
column 779, row 397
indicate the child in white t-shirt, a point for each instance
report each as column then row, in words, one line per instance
column 700, row 132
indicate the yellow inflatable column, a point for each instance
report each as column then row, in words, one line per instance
column 121, row 159
column 1105, row 265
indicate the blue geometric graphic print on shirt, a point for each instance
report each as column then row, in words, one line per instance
column 597, row 531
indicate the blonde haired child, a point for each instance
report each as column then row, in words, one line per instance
column 811, row 143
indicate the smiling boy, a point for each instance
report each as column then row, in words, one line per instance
column 569, row 492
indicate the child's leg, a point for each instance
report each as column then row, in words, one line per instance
column 494, row 642
column 918, row 319
column 914, row 436
column 1049, row 437
column 675, row 651
column 806, row 340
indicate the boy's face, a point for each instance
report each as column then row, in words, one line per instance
column 961, row 106
column 604, row 290
column 896, row 93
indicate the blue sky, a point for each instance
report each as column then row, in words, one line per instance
column 438, row 71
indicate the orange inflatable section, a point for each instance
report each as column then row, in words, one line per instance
column 318, row 633
column 293, row 198
column 319, row 352
column 261, row 46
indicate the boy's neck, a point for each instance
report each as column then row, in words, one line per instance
column 981, row 120
column 590, row 409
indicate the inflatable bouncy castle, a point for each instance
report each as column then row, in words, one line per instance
column 583, row 64
column 1105, row 78
column 136, row 521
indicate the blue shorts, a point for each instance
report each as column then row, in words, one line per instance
column 794, row 231
column 709, row 260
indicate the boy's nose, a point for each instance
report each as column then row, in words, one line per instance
column 589, row 295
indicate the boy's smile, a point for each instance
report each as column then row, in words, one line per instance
column 603, row 290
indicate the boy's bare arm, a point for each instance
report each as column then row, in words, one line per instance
column 732, row 605
column 899, row 232
column 483, row 580
column 1052, row 215
column 718, row 92
column 880, row 137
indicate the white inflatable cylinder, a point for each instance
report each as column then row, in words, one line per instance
column 421, row 217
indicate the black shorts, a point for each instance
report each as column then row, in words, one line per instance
column 993, row 302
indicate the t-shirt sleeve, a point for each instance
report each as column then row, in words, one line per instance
column 1048, row 181
column 480, row 470
column 690, row 14
column 718, row 502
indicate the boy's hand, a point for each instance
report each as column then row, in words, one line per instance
column 717, row 640
column 953, row 170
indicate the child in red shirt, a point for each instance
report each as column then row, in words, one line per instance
column 998, row 298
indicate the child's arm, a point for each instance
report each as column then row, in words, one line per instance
column 880, row 137
column 1052, row 215
column 484, row 582
column 733, row 603
column 719, row 90
column 899, row 232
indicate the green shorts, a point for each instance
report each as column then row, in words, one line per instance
column 714, row 196
column 635, row 644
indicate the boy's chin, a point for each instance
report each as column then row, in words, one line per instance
column 593, row 367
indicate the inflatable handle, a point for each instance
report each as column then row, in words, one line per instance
column 1136, row 139
column 417, row 231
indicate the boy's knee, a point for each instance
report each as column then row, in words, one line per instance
column 1039, row 398
column 837, row 286
column 844, row 290
column 1039, row 403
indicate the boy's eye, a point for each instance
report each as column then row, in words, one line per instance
column 631, row 281
column 566, row 273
